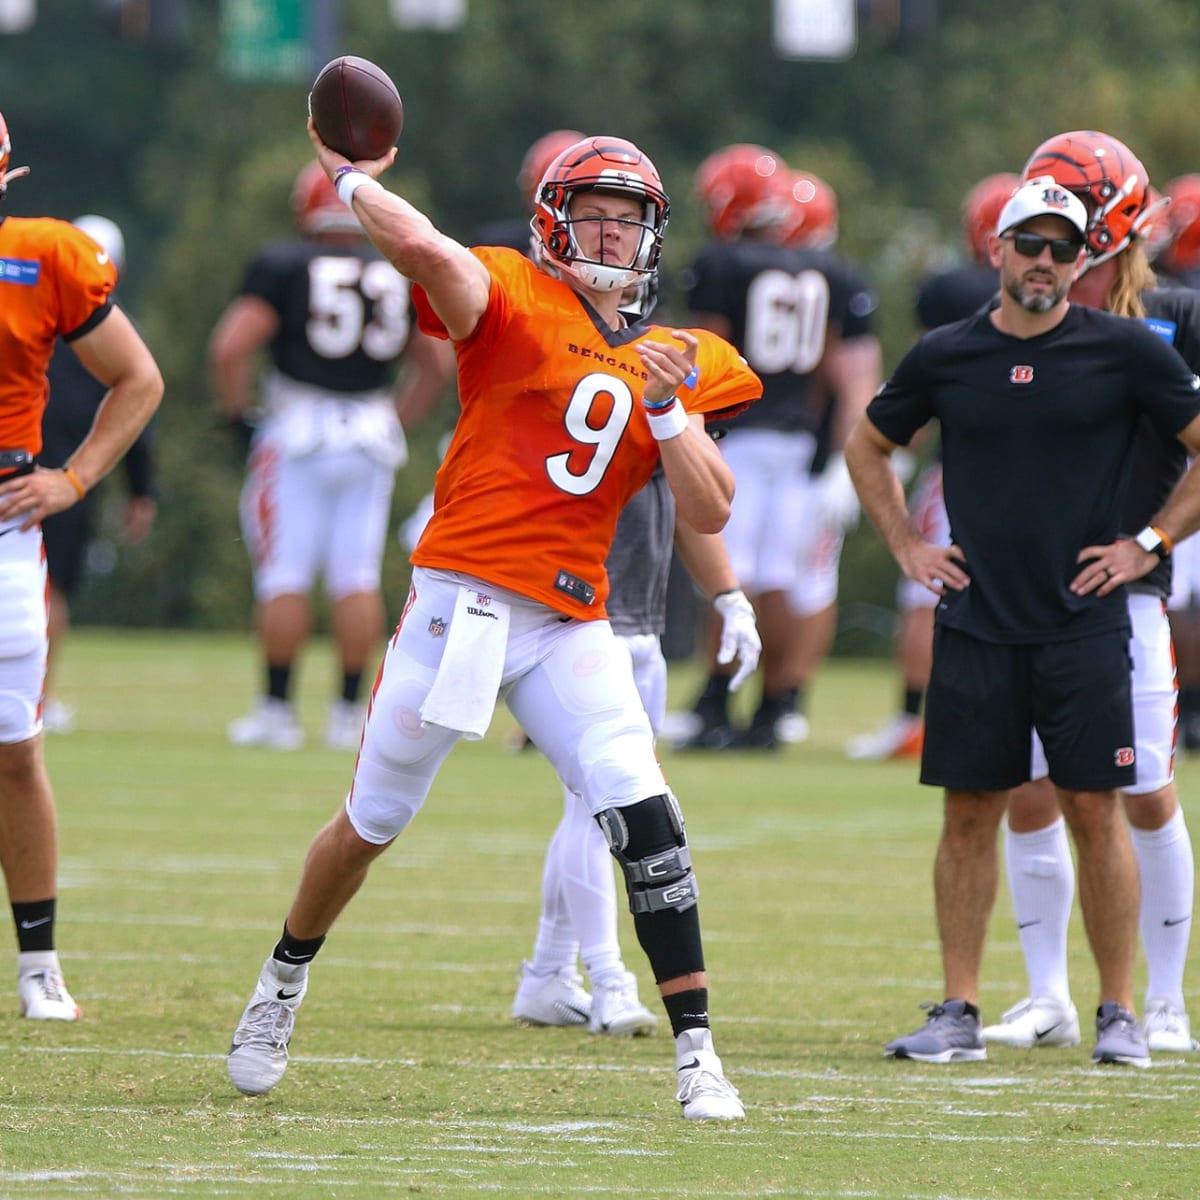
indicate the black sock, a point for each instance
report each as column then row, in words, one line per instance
column 294, row 950
column 351, row 686
column 35, row 925
column 912, row 701
column 687, row 1010
column 714, row 700
column 279, row 682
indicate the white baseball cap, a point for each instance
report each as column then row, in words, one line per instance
column 1042, row 197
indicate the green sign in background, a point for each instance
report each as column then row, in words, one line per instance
column 266, row 40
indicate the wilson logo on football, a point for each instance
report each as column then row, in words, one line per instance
column 1124, row 756
column 1021, row 374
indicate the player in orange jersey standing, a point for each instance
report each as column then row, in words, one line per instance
column 54, row 280
column 565, row 412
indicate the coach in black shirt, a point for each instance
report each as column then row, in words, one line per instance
column 1038, row 402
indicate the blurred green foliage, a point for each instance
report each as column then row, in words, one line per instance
column 197, row 168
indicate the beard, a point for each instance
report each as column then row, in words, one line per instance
column 1035, row 302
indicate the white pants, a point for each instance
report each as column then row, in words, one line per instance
column 568, row 683
column 1154, row 699
column 776, row 539
column 324, row 513
column 23, row 643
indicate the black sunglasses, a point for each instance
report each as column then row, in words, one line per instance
column 1030, row 245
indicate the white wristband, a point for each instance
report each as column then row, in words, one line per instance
column 349, row 182
column 669, row 423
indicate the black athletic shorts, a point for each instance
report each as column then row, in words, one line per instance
column 984, row 699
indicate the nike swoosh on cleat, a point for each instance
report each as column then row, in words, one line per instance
column 1038, row 1034
column 689, row 1066
column 1177, row 921
column 282, row 995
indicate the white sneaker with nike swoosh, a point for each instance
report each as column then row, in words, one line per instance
column 40, row 987
column 1168, row 1028
column 1036, row 1021
column 258, row 1056
column 704, row 1092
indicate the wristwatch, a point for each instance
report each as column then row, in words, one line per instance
column 1154, row 541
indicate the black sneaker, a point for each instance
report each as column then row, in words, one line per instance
column 714, row 734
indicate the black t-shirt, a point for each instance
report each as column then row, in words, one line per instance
column 344, row 311
column 781, row 306
column 956, row 294
column 1037, row 445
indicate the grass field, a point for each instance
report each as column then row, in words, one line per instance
column 179, row 855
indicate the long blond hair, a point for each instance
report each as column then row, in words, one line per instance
column 1134, row 276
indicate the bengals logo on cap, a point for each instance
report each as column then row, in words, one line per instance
column 1055, row 197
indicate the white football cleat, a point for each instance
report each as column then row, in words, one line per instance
column 1168, row 1029
column 556, row 999
column 57, row 717
column 40, row 988
column 1036, row 1021
column 272, row 724
column 704, row 1092
column 617, row 1011
column 344, row 725
column 258, row 1056
column 901, row 737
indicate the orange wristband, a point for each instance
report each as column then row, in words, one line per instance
column 1167, row 542
column 80, row 490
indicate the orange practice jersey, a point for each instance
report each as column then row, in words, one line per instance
column 54, row 281
column 552, row 439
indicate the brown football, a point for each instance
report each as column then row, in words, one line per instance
column 356, row 108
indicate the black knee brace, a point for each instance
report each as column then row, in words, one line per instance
column 649, row 842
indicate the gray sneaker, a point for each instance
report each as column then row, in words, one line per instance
column 951, row 1034
column 1119, row 1037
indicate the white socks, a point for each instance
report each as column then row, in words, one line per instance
column 1041, row 880
column 1167, row 869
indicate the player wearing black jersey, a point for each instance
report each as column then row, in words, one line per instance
column 1041, row 875
column 1039, row 401
column 802, row 318
column 1176, row 260
column 334, row 318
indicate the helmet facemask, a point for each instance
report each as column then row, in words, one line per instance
column 600, row 273
column 606, row 167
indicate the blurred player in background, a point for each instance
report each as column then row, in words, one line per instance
column 55, row 281
column 334, row 318
column 1117, row 277
column 801, row 317
column 565, row 411
column 75, row 394
column 943, row 297
column 1177, row 263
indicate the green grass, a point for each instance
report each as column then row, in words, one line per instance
column 179, row 856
